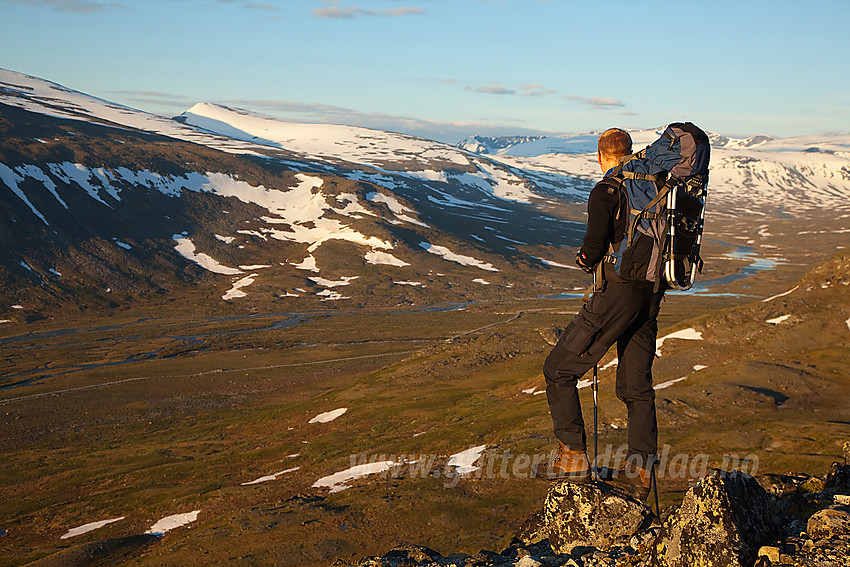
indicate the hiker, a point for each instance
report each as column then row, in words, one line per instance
column 623, row 310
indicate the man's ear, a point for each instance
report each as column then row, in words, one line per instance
column 599, row 157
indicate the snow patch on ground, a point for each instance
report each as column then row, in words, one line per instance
column 236, row 291
column 186, row 248
column 172, row 522
column 689, row 334
column 414, row 284
column 346, row 280
column 11, row 179
column 270, row 477
column 481, row 281
column 337, row 481
column 555, row 264
column 457, row 258
column 330, row 295
column 668, row 383
column 464, row 462
column 777, row 320
column 86, row 528
column 309, row 263
column 686, row 334
column 328, row 416
column 790, row 291
column 384, row 258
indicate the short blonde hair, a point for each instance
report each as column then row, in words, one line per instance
column 615, row 143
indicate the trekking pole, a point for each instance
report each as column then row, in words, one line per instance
column 595, row 420
column 655, row 490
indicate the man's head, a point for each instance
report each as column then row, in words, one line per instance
column 613, row 144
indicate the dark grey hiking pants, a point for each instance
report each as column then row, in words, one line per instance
column 625, row 314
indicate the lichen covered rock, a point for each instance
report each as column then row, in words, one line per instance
column 593, row 515
column 829, row 522
column 722, row 522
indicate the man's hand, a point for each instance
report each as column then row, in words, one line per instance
column 581, row 260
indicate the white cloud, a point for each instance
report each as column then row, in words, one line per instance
column 334, row 10
column 78, row 6
column 534, row 89
column 495, row 89
column 596, row 101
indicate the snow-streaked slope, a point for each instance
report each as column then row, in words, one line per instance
column 240, row 131
column 387, row 152
column 790, row 174
column 52, row 99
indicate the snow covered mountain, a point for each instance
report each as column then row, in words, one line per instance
column 106, row 205
column 97, row 194
column 758, row 173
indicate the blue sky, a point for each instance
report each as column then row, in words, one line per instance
column 446, row 69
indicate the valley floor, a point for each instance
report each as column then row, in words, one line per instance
column 222, row 431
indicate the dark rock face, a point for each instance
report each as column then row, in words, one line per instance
column 781, row 484
column 592, row 515
column 723, row 521
column 838, row 477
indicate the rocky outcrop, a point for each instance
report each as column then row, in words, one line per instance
column 727, row 519
column 589, row 515
column 722, row 522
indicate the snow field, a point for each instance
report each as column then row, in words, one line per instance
column 689, row 334
column 236, row 291
column 186, row 248
column 270, row 477
column 169, row 523
column 157, row 529
column 338, row 481
column 464, row 461
column 328, row 416
column 457, row 258
column 86, row 528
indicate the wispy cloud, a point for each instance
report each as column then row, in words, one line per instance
column 596, row 102
column 154, row 98
column 334, row 10
column 442, row 130
column 534, row 89
column 524, row 89
column 265, row 6
column 310, row 108
column 262, row 6
column 78, row 6
column 495, row 89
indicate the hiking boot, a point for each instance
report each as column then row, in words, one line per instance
column 568, row 465
column 631, row 479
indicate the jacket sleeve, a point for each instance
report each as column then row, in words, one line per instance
column 602, row 205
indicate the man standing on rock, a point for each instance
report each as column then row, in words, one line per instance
column 623, row 310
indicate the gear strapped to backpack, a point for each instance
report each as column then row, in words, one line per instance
column 665, row 185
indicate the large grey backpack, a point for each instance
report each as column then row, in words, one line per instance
column 665, row 184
